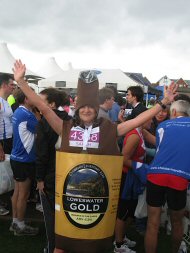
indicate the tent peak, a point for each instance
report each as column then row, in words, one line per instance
column 3, row 44
column 52, row 58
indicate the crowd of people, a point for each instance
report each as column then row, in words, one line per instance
column 153, row 141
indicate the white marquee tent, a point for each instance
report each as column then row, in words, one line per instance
column 49, row 68
column 7, row 61
column 105, row 76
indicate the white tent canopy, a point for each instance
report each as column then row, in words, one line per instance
column 105, row 76
column 7, row 62
column 49, row 68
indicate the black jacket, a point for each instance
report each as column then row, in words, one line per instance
column 45, row 151
column 136, row 111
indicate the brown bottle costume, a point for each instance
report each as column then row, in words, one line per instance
column 87, row 95
column 108, row 139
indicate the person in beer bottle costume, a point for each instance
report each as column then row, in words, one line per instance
column 86, row 120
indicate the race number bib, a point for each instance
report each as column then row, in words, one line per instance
column 76, row 137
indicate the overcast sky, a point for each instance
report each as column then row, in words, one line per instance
column 147, row 36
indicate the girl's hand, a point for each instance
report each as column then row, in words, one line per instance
column 19, row 70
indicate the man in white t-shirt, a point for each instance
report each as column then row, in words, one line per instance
column 6, row 131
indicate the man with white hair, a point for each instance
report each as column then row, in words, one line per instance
column 168, row 175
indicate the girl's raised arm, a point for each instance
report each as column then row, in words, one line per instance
column 54, row 121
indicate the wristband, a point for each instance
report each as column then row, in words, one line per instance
column 161, row 104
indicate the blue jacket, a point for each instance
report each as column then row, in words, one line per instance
column 132, row 186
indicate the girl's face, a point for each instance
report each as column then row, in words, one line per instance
column 162, row 115
column 87, row 114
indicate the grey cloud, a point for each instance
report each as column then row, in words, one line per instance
column 60, row 24
column 53, row 25
column 155, row 22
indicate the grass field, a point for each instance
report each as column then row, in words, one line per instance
column 21, row 244
column 35, row 244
